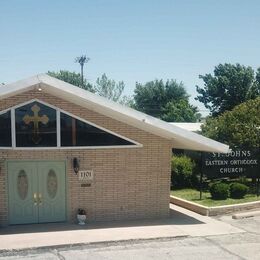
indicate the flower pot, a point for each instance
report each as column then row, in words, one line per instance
column 81, row 219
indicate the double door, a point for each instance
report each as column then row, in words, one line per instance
column 37, row 192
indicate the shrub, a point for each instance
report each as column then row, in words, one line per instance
column 238, row 190
column 219, row 191
column 182, row 171
column 81, row 212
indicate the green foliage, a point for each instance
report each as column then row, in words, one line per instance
column 239, row 128
column 108, row 88
column 72, row 78
column 257, row 77
column 219, row 191
column 194, row 196
column 168, row 101
column 230, row 86
column 182, row 171
column 238, row 190
column 104, row 87
column 127, row 101
column 81, row 212
column 180, row 111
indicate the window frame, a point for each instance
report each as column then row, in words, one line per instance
column 8, row 147
column 58, row 128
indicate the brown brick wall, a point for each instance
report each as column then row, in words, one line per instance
column 129, row 183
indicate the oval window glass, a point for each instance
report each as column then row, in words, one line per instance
column 52, row 184
column 22, row 185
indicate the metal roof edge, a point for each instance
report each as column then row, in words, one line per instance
column 112, row 109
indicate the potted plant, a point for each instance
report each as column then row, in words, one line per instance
column 81, row 216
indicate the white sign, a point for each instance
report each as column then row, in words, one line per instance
column 86, row 175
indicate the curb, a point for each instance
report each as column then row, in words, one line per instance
column 32, row 250
column 214, row 211
column 246, row 215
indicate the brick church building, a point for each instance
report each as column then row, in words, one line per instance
column 63, row 148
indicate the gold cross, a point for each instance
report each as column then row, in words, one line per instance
column 36, row 119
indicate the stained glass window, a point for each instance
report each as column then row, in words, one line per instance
column 5, row 130
column 78, row 133
column 35, row 126
column 22, row 185
column 52, row 184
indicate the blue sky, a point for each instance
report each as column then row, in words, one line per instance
column 128, row 40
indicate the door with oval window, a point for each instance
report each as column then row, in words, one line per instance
column 36, row 192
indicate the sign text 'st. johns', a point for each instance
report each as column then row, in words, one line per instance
column 235, row 163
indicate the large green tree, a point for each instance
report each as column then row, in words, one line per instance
column 181, row 111
column 109, row 88
column 229, row 86
column 239, row 128
column 72, row 78
column 166, row 100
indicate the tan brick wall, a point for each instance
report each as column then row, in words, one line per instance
column 129, row 183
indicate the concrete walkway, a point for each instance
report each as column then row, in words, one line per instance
column 181, row 223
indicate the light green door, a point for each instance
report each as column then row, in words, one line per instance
column 51, row 178
column 22, row 187
column 36, row 192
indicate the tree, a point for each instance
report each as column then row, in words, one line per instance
column 72, row 78
column 230, row 85
column 127, row 101
column 258, row 79
column 168, row 101
column 104, row 87
column 180, row 111
column 108, row 88
column 239, row 128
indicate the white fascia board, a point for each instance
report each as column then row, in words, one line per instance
column 18, row 87
column 181, row 138
column 194, row 127
column 184, row 139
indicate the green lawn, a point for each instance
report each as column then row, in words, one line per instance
column 194, row 195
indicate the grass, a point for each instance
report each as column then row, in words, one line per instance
column 194, row 196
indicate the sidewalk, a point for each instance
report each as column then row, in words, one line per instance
column 181, row 223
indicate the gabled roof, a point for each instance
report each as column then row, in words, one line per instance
column 180, row 138
column 193, row 127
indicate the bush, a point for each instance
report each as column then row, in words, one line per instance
column 182, row 171
column 238, row 190
column 219, row 191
